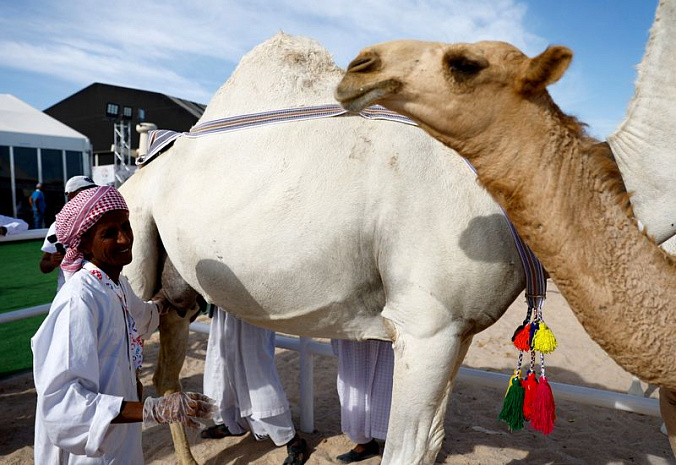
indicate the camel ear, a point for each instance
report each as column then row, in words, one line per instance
column 544, row 69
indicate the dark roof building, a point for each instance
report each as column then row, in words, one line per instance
column 93, row 110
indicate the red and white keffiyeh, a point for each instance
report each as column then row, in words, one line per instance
column 79, row 215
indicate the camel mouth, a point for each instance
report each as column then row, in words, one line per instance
column 355, row 98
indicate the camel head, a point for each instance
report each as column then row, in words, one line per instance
column 466, row 95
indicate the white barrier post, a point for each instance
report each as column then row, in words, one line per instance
column 307, row 412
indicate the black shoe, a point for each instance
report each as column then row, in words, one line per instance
column 218, row 432
column 297, row 450
column 368, row 450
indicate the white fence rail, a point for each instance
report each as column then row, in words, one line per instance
column 308, row 348
column 31, row 234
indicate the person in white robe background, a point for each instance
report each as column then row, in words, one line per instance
column 10, row 225
column 51, row 255
column 241, row 375
column 87, row 352
column 365, row 372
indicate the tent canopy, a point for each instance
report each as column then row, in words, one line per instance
column 21, row 125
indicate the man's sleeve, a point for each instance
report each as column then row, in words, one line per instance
column 75, row 414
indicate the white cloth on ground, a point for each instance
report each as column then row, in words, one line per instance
column 49, row 247
column 13, row 225
column 365, row 371
column 241, row 375
column 83, row 369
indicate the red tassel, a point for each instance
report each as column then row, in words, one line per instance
column 522, row 339
column 530, row 384
column 544, row 409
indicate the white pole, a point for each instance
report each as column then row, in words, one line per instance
column 307, row 397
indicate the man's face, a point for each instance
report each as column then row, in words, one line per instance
column 108, row 243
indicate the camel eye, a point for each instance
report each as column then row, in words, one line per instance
column 463, row 67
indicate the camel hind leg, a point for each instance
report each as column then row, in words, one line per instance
column 668, row 412
column 424, row 369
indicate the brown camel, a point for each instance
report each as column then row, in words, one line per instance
column 489, row 102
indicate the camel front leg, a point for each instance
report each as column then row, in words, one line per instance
column 424, row 371
column 174, row 332
column 668, row 412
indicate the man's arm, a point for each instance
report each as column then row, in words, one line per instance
column 50, row 261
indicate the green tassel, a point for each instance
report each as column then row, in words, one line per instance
column 512, row 407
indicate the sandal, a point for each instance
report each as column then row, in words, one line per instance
column 297, row 450
column 217, row 432
column 368, row 450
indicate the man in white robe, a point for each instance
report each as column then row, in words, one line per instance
column 89, row 349
column 241, row 375
column 81, row 394
column 365, row 372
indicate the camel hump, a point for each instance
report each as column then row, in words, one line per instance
column 285, row 71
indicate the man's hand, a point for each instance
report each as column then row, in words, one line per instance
column 162, row 302
column 179, row 407
column 55, row 259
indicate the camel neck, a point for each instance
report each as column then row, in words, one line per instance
column 616, row 280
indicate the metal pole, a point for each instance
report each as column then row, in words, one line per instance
column 13, row 180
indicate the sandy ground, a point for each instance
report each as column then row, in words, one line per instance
column 582, row 435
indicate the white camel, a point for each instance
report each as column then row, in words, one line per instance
column 340, row 228
column 563, row 193
column 643, row 144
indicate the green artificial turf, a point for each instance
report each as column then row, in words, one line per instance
column 22, row 285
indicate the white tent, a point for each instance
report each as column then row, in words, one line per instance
column 21, row 125
column 34, row 147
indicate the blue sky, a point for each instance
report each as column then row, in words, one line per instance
column 50, row 49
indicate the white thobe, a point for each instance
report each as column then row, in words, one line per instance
column 241, row 375
column 83, row 369
column 48, row 247
column 365, row 371
column 13, row 225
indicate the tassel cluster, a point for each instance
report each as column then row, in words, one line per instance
column 534, row 336
column 530, row 399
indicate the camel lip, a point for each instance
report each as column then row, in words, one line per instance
column 355, row 99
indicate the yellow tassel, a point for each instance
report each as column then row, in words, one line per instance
column 544, row 340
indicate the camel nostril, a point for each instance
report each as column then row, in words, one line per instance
column 364, row 63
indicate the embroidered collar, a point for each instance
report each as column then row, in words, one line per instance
column 134, row 339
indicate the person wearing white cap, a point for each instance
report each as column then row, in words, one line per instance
column 53, row 251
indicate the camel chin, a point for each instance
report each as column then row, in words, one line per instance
column 355, row 101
